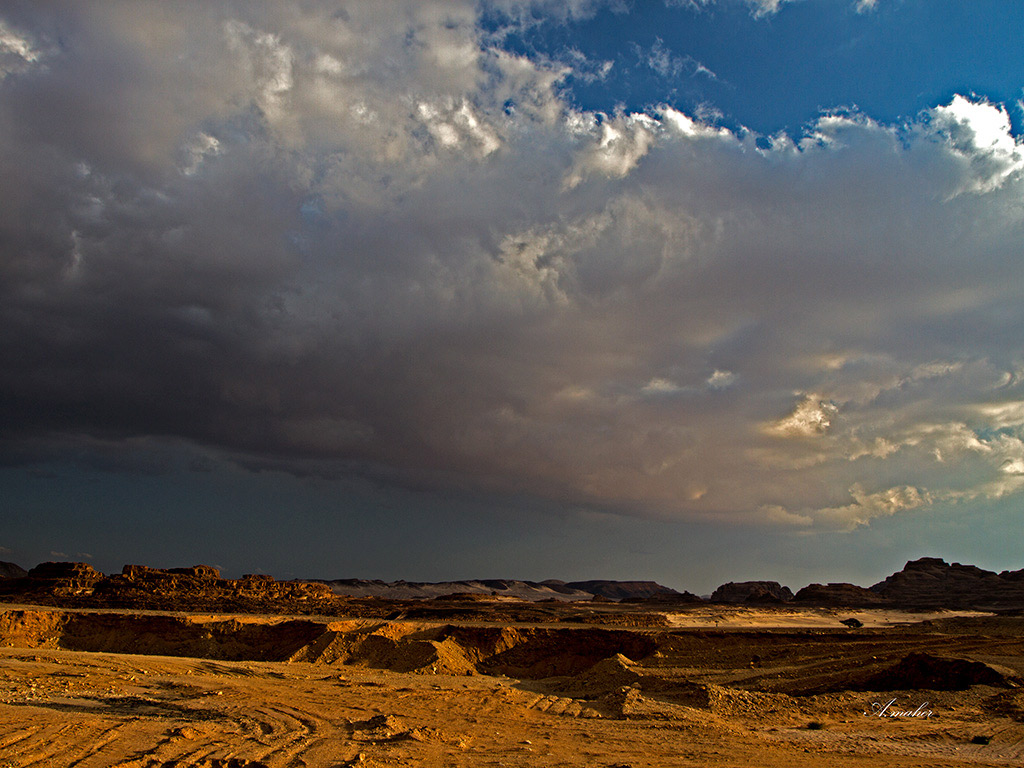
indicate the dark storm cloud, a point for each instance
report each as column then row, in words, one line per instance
column 336, row 239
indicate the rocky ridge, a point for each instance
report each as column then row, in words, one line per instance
column 11, row 571
column 930, row 582
column 841, row 594
column 925, row 583
column 419, row 590
column 535, row 591
column 137, row 586
column 755, row 592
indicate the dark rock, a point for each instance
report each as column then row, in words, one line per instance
column 61, row 578
column 759, row 592
column 844, row 595
column 922, row 671
column 12, row 571
column 201, row 586
column 618, row 590
column 668, row 599
column 930, row 582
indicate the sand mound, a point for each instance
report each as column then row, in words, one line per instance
column 379, row 728
column 395, row 646
column 423, row 656
column 622, row 688
column 923, row 671
column 631, row 703
column 541, row 653
column 727, row 701
column 607, row 675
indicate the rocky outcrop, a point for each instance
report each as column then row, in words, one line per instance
column 12, row 571
column 923, row 671
column 755, row 592
column 201, row 587
column 60, row 579
column 420, row 590
column 620, row 590
column 930, row 582
column 535, row 591
column 841, row 594
column 53, row 580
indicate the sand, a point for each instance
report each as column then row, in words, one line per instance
column 698, row 696
column 741, row 617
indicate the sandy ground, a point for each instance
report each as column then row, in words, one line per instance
column 729, row 617
column 701, row 698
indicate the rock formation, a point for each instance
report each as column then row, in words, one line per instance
column 12, row 571
column 138, row 586
column 526, row 590
column 930, row 582
column 620, row 590
column 923, row 671
column 759, row 592
column 60, row 579
column 201, row 586
column 841, row 594
column 418, row 590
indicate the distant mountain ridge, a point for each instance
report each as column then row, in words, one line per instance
column 551, row 589
column 11, row 571
column 925, row 583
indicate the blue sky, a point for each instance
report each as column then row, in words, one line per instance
column 688, row 291
column 778, row 72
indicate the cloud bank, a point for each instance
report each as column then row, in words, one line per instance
column 363, row 238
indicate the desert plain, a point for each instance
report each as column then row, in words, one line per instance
column 700, row 685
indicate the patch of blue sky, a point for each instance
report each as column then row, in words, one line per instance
column 779, row 72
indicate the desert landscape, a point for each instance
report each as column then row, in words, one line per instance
column 405, row 351
column 471, row 679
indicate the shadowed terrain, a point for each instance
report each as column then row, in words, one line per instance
column 143, row 689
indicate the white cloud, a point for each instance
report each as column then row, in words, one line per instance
column 618, row 144
column 980, row 134
column 201, row 146
column 267, row 62
column 588, row 70
column 811, row 417
column 865, row 507
column 17, row 51
column 773, row 514
column 660, row 386
column 762, row 8
column 721, row 379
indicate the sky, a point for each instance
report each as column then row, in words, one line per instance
column 686, row 290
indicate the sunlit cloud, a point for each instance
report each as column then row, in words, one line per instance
column 367, row 240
